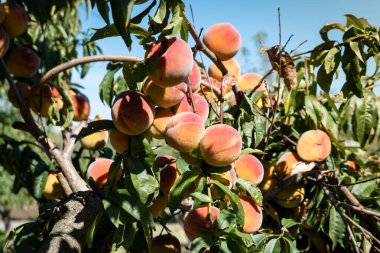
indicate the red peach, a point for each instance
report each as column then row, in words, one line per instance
column 45, row 97
column 95, row 141
column 231, row 65
column 98, row 170
column 119, row 141
column 4, row 42
column 249, row 81
column 16, row 19
column 169, row 172
column 197, row 224
column 314, row 146
column 164, row 97
column 250, row 168
column 161, row 119
column 253, row 216
column 200, row 104
column 81, row 107
column 195, row 77
column 23, row 62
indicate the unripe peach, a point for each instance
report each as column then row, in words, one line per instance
column 231, row 65
column 132, row 113
column 164, row 97
column 4, row 42
column 220, row 145
column 95, row 141
column 174, row 62
column 53, row 189
column 253, row 216
column 169, row 172
column 197, row 223
column 23, row 62
column 81, row 106
column 249, row 81
column 200, row 104
column 165, row 244
column 250, row 168
column 98, row 170
column 16, row 19
column 119, row 141
column 286, row 162
column 190, row 159
column 159, row 205
column 291, row 196
column 184, row 131
column 269, row 180
column 195, row 77
column 161, row 119
column 314, row 146
column 23, row 90
column 223, row 40
column 45, row 97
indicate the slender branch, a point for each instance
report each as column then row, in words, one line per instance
column 261, row 81
column 70, row 141
column 211, row 87
column 65, row 185
column 359, row 209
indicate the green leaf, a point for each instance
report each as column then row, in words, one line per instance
column 95, row 126
column 259, row 239
column 121, row 14
column 230, row 245
column 113, row 212
column 106, row 88
column 336, row 227
column 39, row 181
column 103, row 10
column 203, row 198
column 364, row 190
column 288, row 223
column 226, row 220
column 161, row 13
column 355, row 48
column 291, row 246
column 182, row 187
column 352, row 20
column 91, row 230
column 135, row 73
column 111, row 31
column 273, row 246
column 24, row 236
column 328, row 27
column 252, row 190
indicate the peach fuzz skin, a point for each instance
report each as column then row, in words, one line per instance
column 132, row 113
column 223, row 40
column 98, row 170
column 169, row 172
column 16, row 19
column 200, row 104
column 231, row 65
column 174, row 62
column 184, row 131
column 81, row 107
column 285, row 164
column 253, row 216
column 164, row 97
column 196, row 222
column 314, row 146
column 95, row 141
column 119, row 141
column 23, row 62
column 250, row 168
column 161, row 119
column 220, row 145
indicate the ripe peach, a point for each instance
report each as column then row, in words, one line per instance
column 132, row 113
column 231, row 65
column 95, row 141
column 285, row 164
column 165, row 244
column 200, row 104
column 159, row 205
column 250, row 168
column 161, row 119
column 23, row 90
column 53, row 189
column 249, row 81
column 184, row 131
column 45, row 97
column 174, row 62
column 4, row 42
column 220, row 145
column 223, row 40
column 169, row 172
column 269, row 180
column 253, row 216
column 81, row 106
column 195, row 77
column 353, row 168
column 314, row 146
column 189, row 159
column 16, row 19
column 23, row 62
column 98, row 170
column 119, row 141
column 164, row 97
column 291, row 196
column 197, row 224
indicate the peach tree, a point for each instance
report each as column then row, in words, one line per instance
column 244, row 165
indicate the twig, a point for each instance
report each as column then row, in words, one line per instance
column 359, row 209
column 65, row 185
column 70, row 140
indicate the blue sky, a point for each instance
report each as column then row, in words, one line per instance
column 302, row 18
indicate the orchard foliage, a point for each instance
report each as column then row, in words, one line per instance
column 251, row 166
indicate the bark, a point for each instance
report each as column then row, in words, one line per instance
column 71, row 221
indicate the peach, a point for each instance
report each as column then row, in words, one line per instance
column 23, row 90
column 220, row 145
column 285, row 164
column 98, row 170
column 174, row 62
column 223, row 40
column 231, row 65
column 119, row 141
column 159, row 205
column 16, row 19
column 269, row 180
column 165, row 244
column 314, row 146
column 200, row 104
column 168, row 174
column 250, row 168
column 189, row 159
column 291, row 196
column 253, row 216
column 184, row 131
column 132, row 113
column 23, row 62
column 95, row 141
column 195, row 77
column 197, row 223
column 46, row 97
column 164, row 97
column 353, row 168
column 227, row 177
column 53, row 189
column 161, row 119
column 4, row 42
column 249, row 81
column 81, row 106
